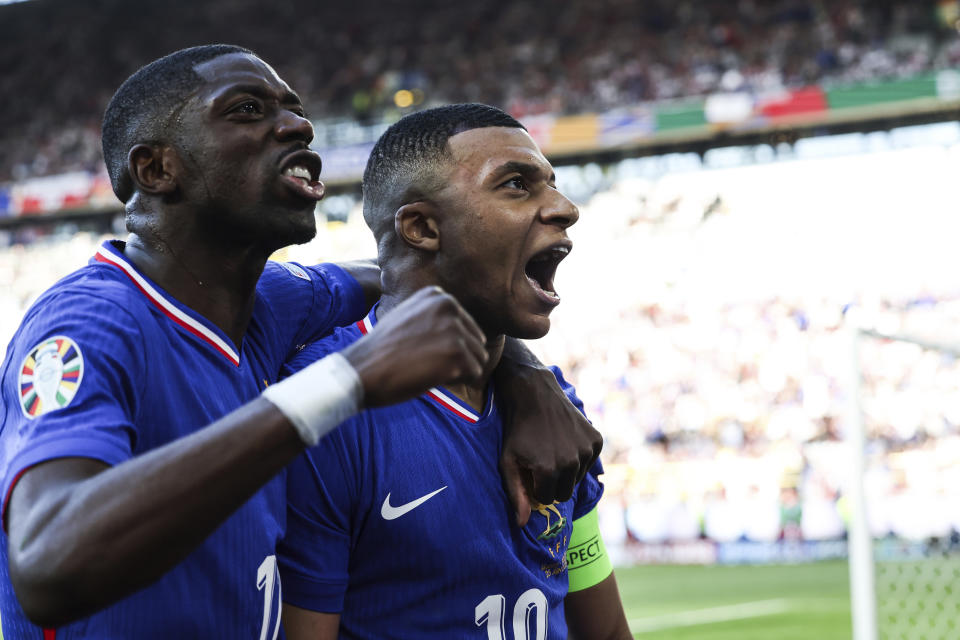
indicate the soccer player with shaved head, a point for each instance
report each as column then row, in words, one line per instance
column 398, row 523
column 143, row 433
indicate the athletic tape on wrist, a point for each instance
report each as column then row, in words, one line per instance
column 319, row 397
column 587, row 561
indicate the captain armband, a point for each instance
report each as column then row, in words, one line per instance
column 587, row 561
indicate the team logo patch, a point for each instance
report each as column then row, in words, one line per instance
column 296, row 270
column 50, row 376
column 554, row 529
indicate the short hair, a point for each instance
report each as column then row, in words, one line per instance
column 403, row 162
column 141, row 107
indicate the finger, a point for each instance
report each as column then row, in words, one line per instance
column 523, row 508
column 544, row 485
column 587, row 459
column 516, row 491
column 470, row 325
column 567, row 481
column 477, row 349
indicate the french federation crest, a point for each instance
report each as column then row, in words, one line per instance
column 50, row 376
column 552, row 530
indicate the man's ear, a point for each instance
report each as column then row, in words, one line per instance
column 153, row 168
column 416, row 224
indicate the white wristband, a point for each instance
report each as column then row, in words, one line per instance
column 319, row 397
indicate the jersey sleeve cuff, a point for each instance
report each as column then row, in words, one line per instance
column 110, row 453
column 587, row 561
column 324, row 596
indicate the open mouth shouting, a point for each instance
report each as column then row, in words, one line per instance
column 542, row 267
column 300, row 172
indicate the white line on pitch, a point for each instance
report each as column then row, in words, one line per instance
column 740, row 611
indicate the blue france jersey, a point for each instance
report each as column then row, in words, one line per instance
column 106, row 365
column 399, row 522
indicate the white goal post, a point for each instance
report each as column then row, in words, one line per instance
column 862, row 559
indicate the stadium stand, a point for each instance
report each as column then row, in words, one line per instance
column 712, row 357
column 350, row 58
column 724, row 396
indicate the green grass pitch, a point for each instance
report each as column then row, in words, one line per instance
column 786, row 602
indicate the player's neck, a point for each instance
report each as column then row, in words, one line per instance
column 214, row 281
column 473, row 394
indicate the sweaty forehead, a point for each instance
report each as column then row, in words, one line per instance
column 484, row 150
column 232, row 69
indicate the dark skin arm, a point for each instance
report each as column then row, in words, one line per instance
column 83, row 535
column 303, row 624
column 548, row 445
column 596, row 613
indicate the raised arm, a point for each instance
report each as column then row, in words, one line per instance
column 83, row 535
column 548, row 444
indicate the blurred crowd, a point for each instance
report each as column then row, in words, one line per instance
column 60, row 61
column 714, row 354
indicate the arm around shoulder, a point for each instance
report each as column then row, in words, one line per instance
column 548, row 444
column 367, row 275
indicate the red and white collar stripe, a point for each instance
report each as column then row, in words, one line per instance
column 452, row 404
column 365, row 325
column 168, row 308
column 438, row 395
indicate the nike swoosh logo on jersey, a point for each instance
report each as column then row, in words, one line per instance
column 392, row 513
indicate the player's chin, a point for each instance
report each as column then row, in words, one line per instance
column 531, row 326
column 289, row 228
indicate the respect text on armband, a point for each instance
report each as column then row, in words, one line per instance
column 585, row 553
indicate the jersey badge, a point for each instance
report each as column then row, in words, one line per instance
column 552, row 530
column 296, row 270
column 50, row 376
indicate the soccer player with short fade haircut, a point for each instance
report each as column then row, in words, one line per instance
column 403, row 163
column 144, row 106
column 143, row 432
column 398, row 523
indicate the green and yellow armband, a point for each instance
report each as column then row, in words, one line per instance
column 587, row 561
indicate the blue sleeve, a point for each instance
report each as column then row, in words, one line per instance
column 71, row 384
column 314, row 351
column 314, row 554
column 338, row 301
column 568, row 390
column 587, row 494
column 307, row 303
column 589, row 491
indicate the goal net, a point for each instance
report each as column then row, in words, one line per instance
column 904, row 489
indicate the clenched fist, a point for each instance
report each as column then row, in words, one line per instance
column 425, row 341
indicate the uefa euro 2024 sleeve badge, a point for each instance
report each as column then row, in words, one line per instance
column 50, row 376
